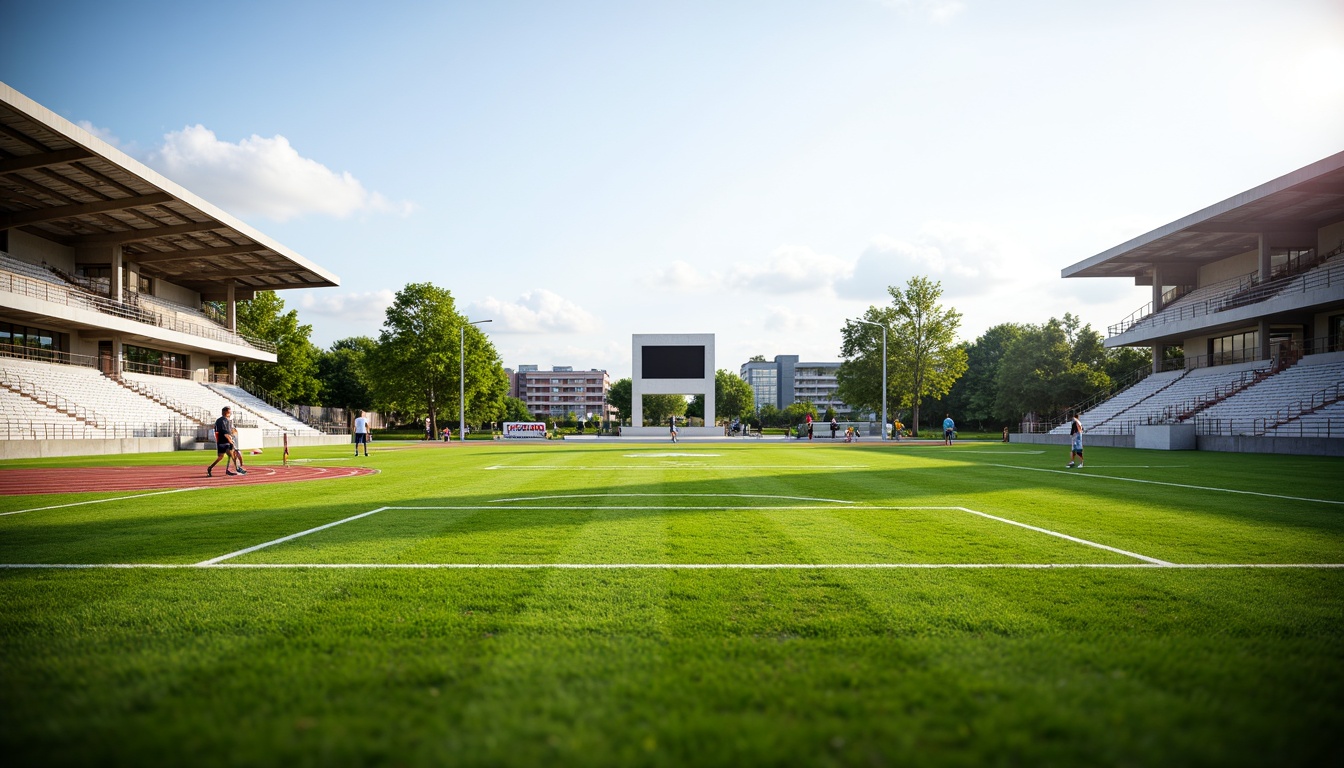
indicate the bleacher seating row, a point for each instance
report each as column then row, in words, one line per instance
column 1249, row 410
column 115, row 408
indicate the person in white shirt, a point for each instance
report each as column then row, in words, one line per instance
column 361, row 432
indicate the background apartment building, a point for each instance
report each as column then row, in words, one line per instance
column 786, row 381
column 562, row 392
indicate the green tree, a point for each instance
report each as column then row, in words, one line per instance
column 416, row 362
column 619, row 397
column 658, row 407
column 757, row 359
column 924, row 359
column 770, row 415
column 733, row 397
column 972, row 397
column 294, row 375
column 516, row 410
column 1038, row 373
column 343, row 373
column 798, row 412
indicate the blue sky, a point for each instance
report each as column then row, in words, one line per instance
column 582, row 171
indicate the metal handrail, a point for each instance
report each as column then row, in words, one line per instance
column 21, row 352
column 22, row 285
column 1243, row 290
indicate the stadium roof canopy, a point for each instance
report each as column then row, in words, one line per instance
column 1289, row 210
column 62, row 183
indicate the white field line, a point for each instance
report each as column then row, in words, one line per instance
column 290, row 537
column 676, row 566
column 1076, row 473
column 664, row 495
column 1049, row 532
column 100, row 501
column 1046, row 531
column 674, row 465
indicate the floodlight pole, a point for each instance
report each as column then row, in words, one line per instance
column 462, row 379
column 882, row 433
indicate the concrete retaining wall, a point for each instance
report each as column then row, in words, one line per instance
column 42, row 449
column 1294, row 446
column 1089, row 441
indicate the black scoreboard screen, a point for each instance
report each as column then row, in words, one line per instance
column 675, row 362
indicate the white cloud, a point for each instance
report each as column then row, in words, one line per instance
column 263, row 176
column 368, row 305
column 680, row 276
column 784, row 320
column 106, row 135
column 939, row 11
column 537, row 311
column 968, row 260
column 791, row 269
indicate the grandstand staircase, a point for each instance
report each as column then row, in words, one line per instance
column 1139, row 402
column 51, row 400
column 1328, row 396
column 197, row 416
column 1191, row 408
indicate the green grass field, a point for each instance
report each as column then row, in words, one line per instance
column 706, row 604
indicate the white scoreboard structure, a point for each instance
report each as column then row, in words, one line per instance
column 671, row 364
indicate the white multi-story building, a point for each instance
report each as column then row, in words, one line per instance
column 787, row 380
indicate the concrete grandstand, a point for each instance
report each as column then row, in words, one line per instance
column 118, row 295
column 1249, row 294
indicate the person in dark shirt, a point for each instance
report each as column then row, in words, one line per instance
column 226, row 445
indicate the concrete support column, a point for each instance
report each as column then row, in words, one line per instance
column 1159, row 351
column 233, row 370
column 114, row 290
column 231, row 311
column 1264, row 339
column 1264, row 257
column 1157, row 288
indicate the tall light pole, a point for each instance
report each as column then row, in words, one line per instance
column 883, row 432
column 462, row 379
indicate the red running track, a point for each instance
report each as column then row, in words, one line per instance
column 15, row 482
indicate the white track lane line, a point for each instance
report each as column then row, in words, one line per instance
column 678, row 566
column 102, row 501
column 674, row 465
column 290, row 537
column 1076, row 473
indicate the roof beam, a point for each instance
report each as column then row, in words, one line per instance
column 23, row 218
column 255, row 272
column 1251, row 228
column 158, row 257
column 28, row 162
column 149, row 233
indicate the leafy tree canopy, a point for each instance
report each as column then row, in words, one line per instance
column 619, row 397
column 342, row 369
column 733, row 398
column 924, row 358
column 657, row 408
column 416, row 364
column 294, row 377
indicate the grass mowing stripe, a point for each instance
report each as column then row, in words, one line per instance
column 1049, row 532
column 290, row 537
column 1173, row 485
column 99, row 501
column 664, row 495
column 667, row 566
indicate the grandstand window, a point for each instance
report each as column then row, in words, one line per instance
column 1237, row 348
column 1336, row 326
column 35, row 341
column 146, row 360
